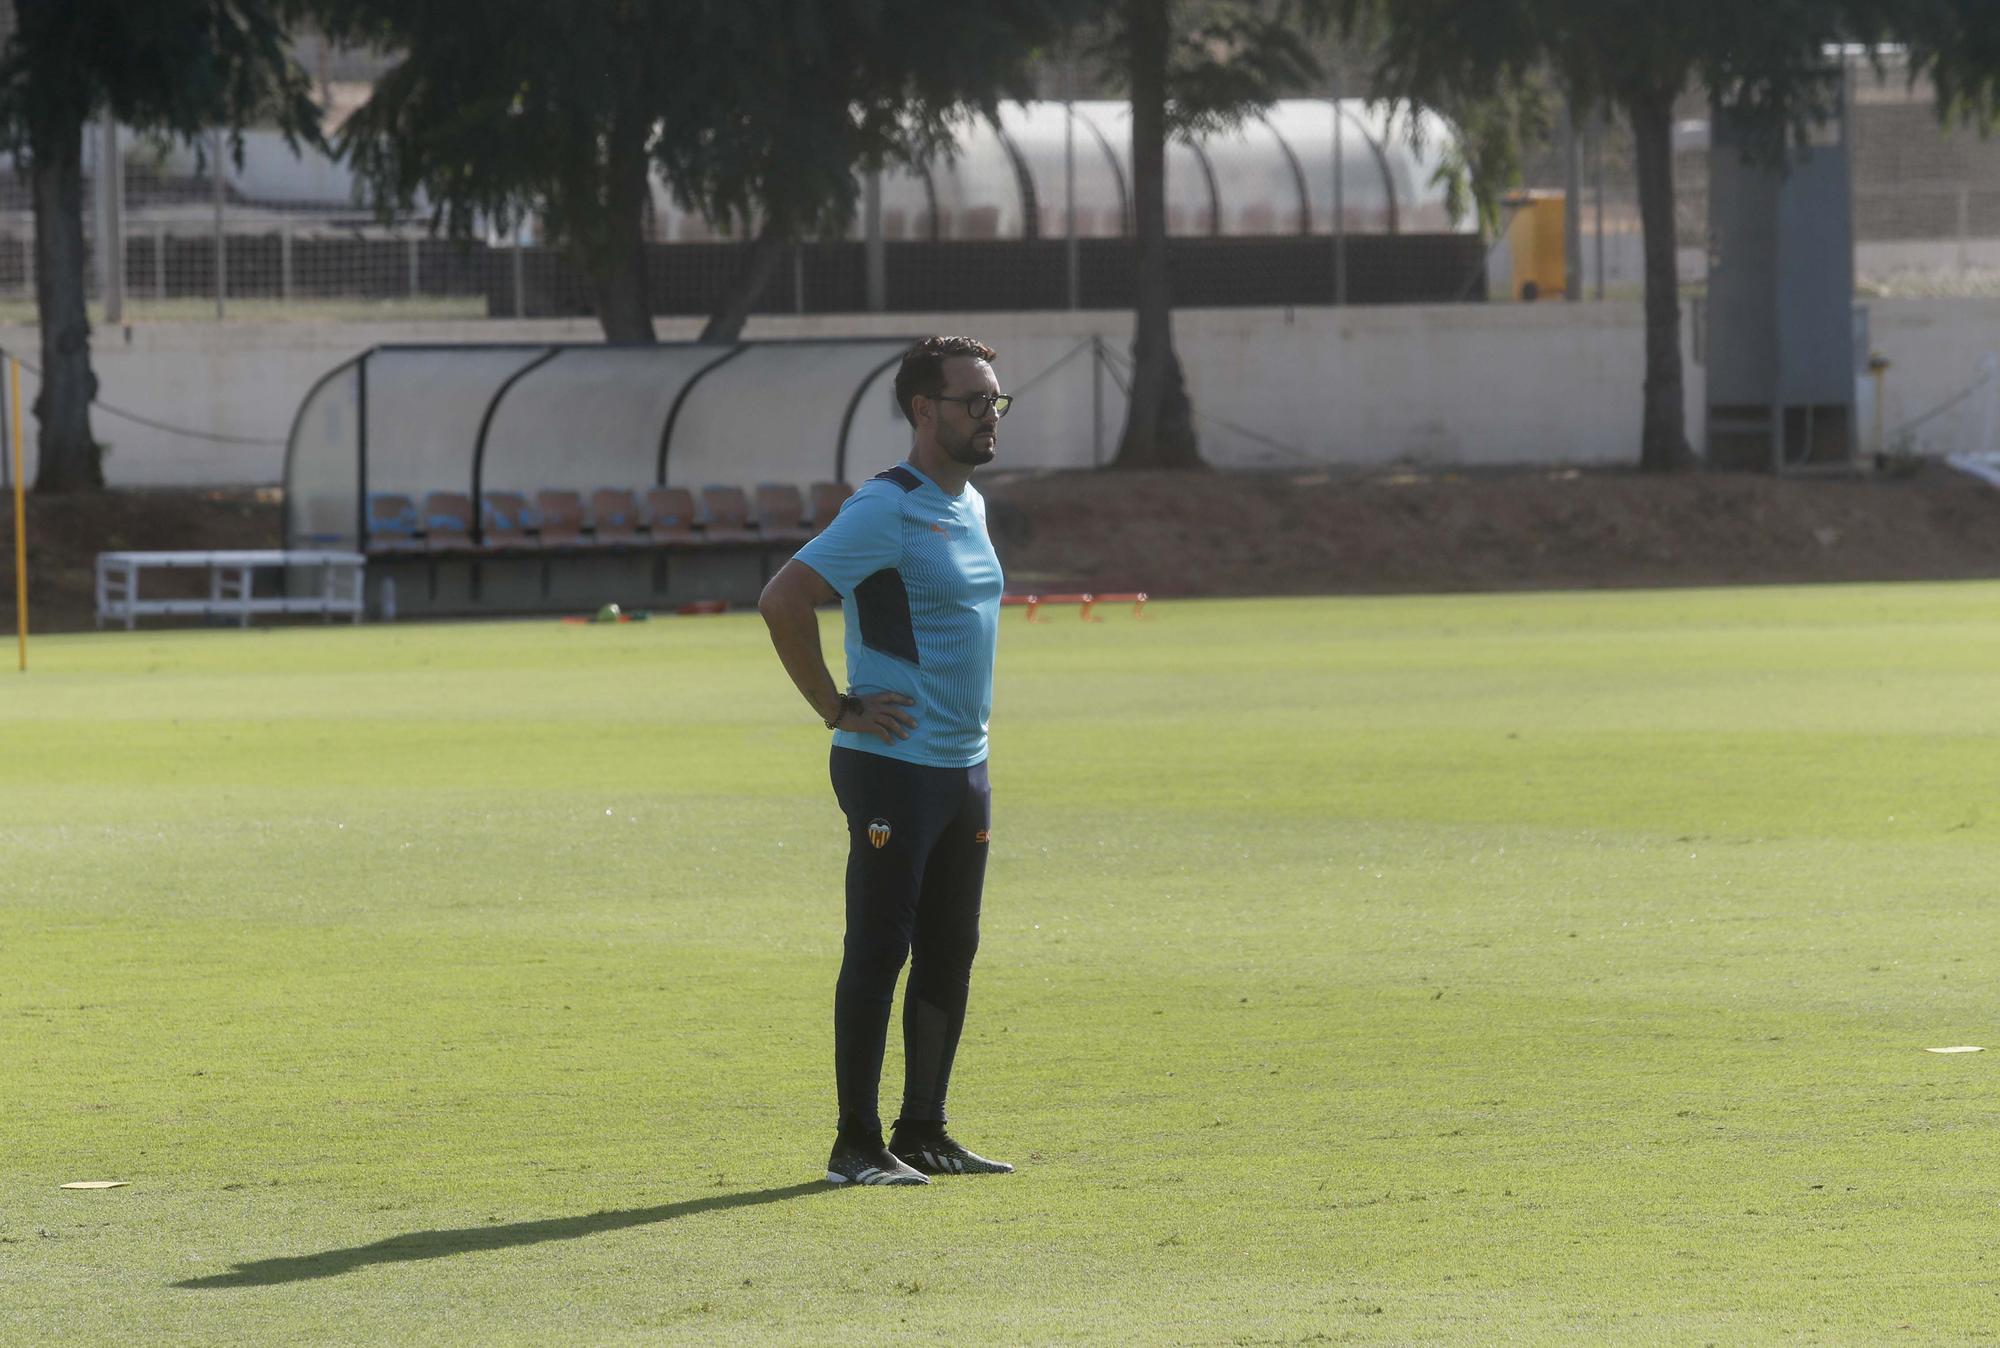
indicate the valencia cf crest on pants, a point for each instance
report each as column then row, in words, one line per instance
column 878, row 833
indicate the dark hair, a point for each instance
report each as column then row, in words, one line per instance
column 923, row 368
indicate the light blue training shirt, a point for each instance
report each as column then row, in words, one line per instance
column 920, row 588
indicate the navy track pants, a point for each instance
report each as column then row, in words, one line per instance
column 916, row 867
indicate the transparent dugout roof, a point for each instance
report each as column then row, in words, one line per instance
column 800, row 393
column 411, row 420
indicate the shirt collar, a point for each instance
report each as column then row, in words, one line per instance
column 925, row 479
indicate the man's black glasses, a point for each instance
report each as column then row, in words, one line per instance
column 977, row 404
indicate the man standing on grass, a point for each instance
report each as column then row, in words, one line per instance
column 909, row 560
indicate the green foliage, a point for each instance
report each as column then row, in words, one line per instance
column 751, row 109
column 1766, row 61
column 785, row 99
column 175, row 67
column 1955, row 42
column 1490, row 66
column 1226, row 59
column 1432, row 50
column 1494, row 969
column 499, row 109
column 1482, row 162
column 1768, row 65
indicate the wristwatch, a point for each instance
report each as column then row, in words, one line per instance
column 848, row 702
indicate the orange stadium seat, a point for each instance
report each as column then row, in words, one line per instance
column 562, row 518
column 447, row 521
column 826, row 498
column 670, row 515
column 781, row 513
column 725, row 515
column 393, row 523
column 614, row 516
column 505, row 517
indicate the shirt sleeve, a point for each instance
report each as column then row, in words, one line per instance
column 865, row 537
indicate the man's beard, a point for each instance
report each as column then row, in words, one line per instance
column 970, row 451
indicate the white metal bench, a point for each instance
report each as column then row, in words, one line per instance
column 230, row 594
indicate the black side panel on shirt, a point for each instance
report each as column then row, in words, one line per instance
column 901, row 476
column 883, row 606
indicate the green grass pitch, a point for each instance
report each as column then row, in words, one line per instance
column 1529, row 969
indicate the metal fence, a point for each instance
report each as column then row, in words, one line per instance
column 190, row 242
column 199, row 237
column 1926, row 197
column 1304, row 205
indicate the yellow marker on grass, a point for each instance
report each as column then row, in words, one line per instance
column 20, row 519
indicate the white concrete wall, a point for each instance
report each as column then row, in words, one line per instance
column 1433, row 385
column 240, row 380
column 1932, row 392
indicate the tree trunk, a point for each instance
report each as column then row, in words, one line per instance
column 624, row 307
column 732, row 311
column 1663, row 443
column 71, row 459
column 1159, row 425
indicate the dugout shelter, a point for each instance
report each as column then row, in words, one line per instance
column 556, row 477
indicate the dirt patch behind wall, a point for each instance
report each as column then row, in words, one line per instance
column 1316, row 533
column 1272, row 533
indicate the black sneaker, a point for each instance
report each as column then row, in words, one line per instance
column 934, row 1152
column 867, row 1162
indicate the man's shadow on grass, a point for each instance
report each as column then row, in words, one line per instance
column 468, row 1239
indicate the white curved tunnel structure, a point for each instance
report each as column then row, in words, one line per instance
column 1272, row 175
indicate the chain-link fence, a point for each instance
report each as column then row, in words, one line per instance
column 1312, row 202
column 1298, row 206
column 1926, row 200
column 1926, row 197
column 189, row 232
